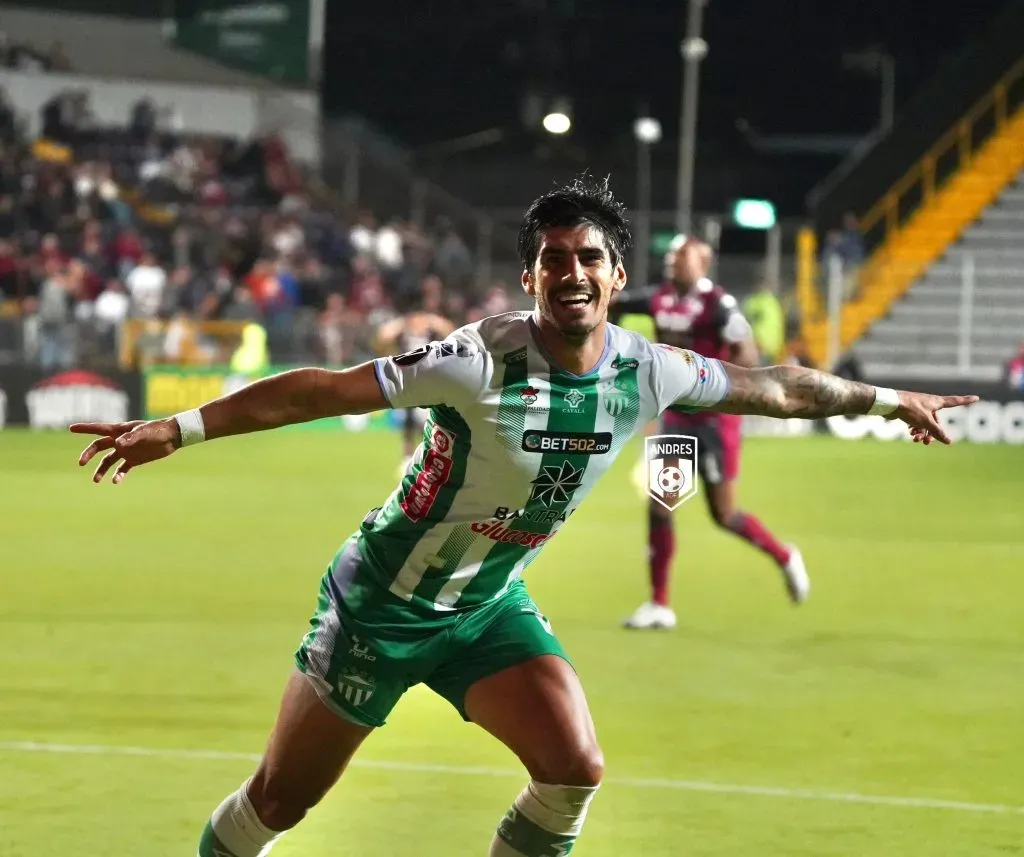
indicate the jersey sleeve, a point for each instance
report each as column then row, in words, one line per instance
column 449, row 372
column 731, row 323
column 685, row 380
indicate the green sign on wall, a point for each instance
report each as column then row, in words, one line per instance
column 266, row 38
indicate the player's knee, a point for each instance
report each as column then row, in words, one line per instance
column 580, row 765
column 658, row 515
column 721, row 517
column 279, row 804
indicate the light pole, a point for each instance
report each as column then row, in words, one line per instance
column 693, row 50
column 876, row 61
column 647, row 132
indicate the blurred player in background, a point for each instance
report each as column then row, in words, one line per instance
column 409, row 332
column 690, row 311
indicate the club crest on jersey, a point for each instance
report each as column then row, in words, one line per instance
column 671, row 469
column 574, row 398
column 529, row 395
column 615, row 399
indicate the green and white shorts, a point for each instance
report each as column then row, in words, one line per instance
column 362, row 660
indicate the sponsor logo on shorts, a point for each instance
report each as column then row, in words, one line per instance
column 361, row 652
column 671, row 469
column 435, row 472
column 577, row 442
column 496, row 531
column 356, row 686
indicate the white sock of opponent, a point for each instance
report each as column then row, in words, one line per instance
column 544, row 821
column 235, row 830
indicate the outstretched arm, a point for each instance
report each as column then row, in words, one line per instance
column 794, row 391
column 291, row 397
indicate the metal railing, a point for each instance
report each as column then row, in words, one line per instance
column 965, row 317
column 950, row 152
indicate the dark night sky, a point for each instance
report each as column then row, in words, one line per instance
column 427, row 73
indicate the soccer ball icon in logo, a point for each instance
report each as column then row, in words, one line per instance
column 671, row 462
column 671, row 480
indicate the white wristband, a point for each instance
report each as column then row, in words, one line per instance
column 886, row 401
column 190, row 424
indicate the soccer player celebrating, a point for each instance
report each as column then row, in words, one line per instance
column 527, row 411
column 689, row 311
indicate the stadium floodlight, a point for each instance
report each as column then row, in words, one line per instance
column 754, row 214
column 647, row 130
column 557, row 122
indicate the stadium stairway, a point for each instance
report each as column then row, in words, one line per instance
column 920, row 335
column 918, row 254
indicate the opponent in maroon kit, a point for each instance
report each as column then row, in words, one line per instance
column 690, row 311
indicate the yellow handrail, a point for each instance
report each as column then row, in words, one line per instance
column 960, row 135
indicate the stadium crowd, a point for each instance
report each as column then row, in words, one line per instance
column 143, row 228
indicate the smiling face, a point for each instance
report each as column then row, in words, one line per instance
column 573, row 278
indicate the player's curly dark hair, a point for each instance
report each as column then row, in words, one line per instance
column 583, row 200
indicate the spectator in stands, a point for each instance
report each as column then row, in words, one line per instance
column 53, row 318
column 332, row 331
column 847, row 246
column 127, row 250
column 1014, row 370
column 388, row 246
column 363, row 236
column 142, row 120
column 8, row 271
column 146, row 283
column 8, row 118
column 111, row 309
column 57, row 59
column 453, row 260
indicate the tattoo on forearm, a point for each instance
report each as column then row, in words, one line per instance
column 793, row 391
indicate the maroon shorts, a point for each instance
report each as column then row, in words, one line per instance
column 718, row 443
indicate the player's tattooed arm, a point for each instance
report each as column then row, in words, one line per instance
column 793, row 391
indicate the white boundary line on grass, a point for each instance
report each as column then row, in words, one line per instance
column 459, row 770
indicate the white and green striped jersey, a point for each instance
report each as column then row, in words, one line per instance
column 512, row 446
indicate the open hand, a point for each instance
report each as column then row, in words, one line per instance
column 130, row 444
column 920, row 412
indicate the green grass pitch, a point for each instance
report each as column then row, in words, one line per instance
column 884, row 718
